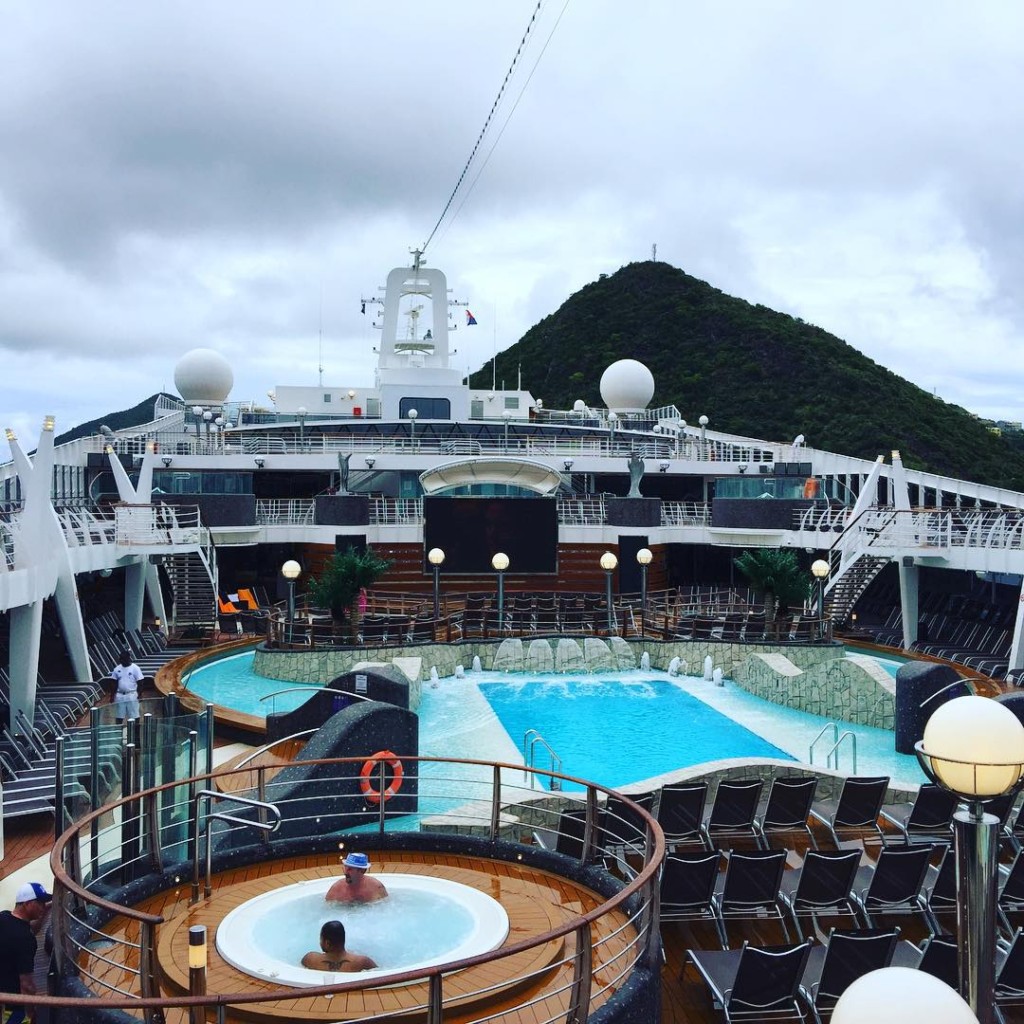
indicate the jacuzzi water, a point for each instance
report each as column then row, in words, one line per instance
column 424, row 921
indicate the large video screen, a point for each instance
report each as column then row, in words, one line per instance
column 470, row 531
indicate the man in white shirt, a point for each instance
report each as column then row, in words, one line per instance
column 125, row 697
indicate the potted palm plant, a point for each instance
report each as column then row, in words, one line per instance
column 337, row 587
column 775, row 574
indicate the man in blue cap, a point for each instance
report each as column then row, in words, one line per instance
column 18, row 929
column 357, row 886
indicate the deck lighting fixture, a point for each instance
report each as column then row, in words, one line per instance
column 351, row 394
column 435, row 556
column 506, row 416
column 165, row 459
column 11, row 435
column 894, row 995
column 820, row 570
column 567, row 464
column 973, row 747
column 302, row 412
column 663, row 467
column 260, row 461
column 703, row 421
column 412, row 414
column 197, row 970
column 48, row 424
column 609, row 563
column 370, row 462
column 291, row 570
column 644, row 557
column 499, row 562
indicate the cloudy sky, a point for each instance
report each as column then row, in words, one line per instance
column 238, row 174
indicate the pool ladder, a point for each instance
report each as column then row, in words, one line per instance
column 838, row 741
column 531, row 739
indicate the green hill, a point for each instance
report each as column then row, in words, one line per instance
column 752, row 371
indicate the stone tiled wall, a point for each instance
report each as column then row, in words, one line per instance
column 854, row 689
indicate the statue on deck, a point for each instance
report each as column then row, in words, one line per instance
column 636, row 471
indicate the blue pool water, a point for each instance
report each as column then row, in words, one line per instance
column 613, row 730
column 609, row 728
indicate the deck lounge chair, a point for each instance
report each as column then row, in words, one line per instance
column 680, row 813
column 894, row 884
column 750, row 888
column 754, row 983
column 939, row 957
column 623, row 830
column 687, row 887
column 1010, row 972
column 1011, row 892
column 785, row 809
column 823, row 884
column 940, row 890
column 857, row 808
column 733, row 810
column 831, row 969
column 928, row 818
column 569, row 837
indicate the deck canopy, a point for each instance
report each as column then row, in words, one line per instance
column 524, row 473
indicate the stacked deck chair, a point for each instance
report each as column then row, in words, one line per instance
column 856, row 810
column 928, row 818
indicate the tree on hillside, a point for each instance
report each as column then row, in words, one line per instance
column 338, row 586
column 774, row 573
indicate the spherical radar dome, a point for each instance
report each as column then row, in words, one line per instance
column 204, row 377
column 627, row 386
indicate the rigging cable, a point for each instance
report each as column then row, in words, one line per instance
column 490, row 117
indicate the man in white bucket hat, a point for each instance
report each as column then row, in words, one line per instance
column 357, row 886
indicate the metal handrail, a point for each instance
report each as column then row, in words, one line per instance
column 213, row 794
column 824, row 729
column 530, row 740
column 848, row 735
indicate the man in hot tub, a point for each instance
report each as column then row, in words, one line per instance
column 357, row 886
column 334, row 955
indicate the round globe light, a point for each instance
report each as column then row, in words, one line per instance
column 435, row 556
column 608, row 561
column 820, row 568
column 975, row 747
column 291, row 570
column 644, row 556
column 500, row 562
column 894, row 995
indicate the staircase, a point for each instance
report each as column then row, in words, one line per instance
column 193, row 579
column 847, row 586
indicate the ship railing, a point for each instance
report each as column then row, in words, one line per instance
column 396, row 511
column 582, row 511
column 111, row 954
column 685, row 513
column 158, row 525
column 8, row 529
column 284, row 511
column 83, row 528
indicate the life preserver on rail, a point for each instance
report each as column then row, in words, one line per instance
column 366, row 787
column 810, row 487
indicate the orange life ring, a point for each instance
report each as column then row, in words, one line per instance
column 372, row 795
column 810, row 487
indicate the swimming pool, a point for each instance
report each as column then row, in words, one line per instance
column 650, row 725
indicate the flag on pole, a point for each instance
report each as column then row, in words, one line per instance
column 470, row 319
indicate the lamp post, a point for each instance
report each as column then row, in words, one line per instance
column 500, row 563
column 435, row 556
column 608, row 563
column 291, row 570
column 197, row 970
column 613, row 418
column 207, row 419
column 412, row 414
column 197, row 411
column 644, row 557
column 506, row 416
column 894, row 995
column 973, row 747
column 820, row 570
column 302, row 412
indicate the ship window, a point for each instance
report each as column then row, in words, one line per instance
column 327, row 396
column 426, row 408
column 511, row 401
column 476, row 409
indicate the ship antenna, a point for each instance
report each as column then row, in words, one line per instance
column 320, row 340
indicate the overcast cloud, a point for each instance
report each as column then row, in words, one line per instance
column 237, row 175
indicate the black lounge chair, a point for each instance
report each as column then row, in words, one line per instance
column 894, row 884
column 1013, row 831
column 750, row 888
column 823, row 884
column 929, row 817
column 569, row 837
column 680, row 813
column 1010, row 972
column 786, row 808
column 754, row 983
column 1011, row 892
column 831, row 969
column 733, row 810
column 687, row 887
column 623, row 830
column 857, row 808
column 940, row 890
column 940, row 958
